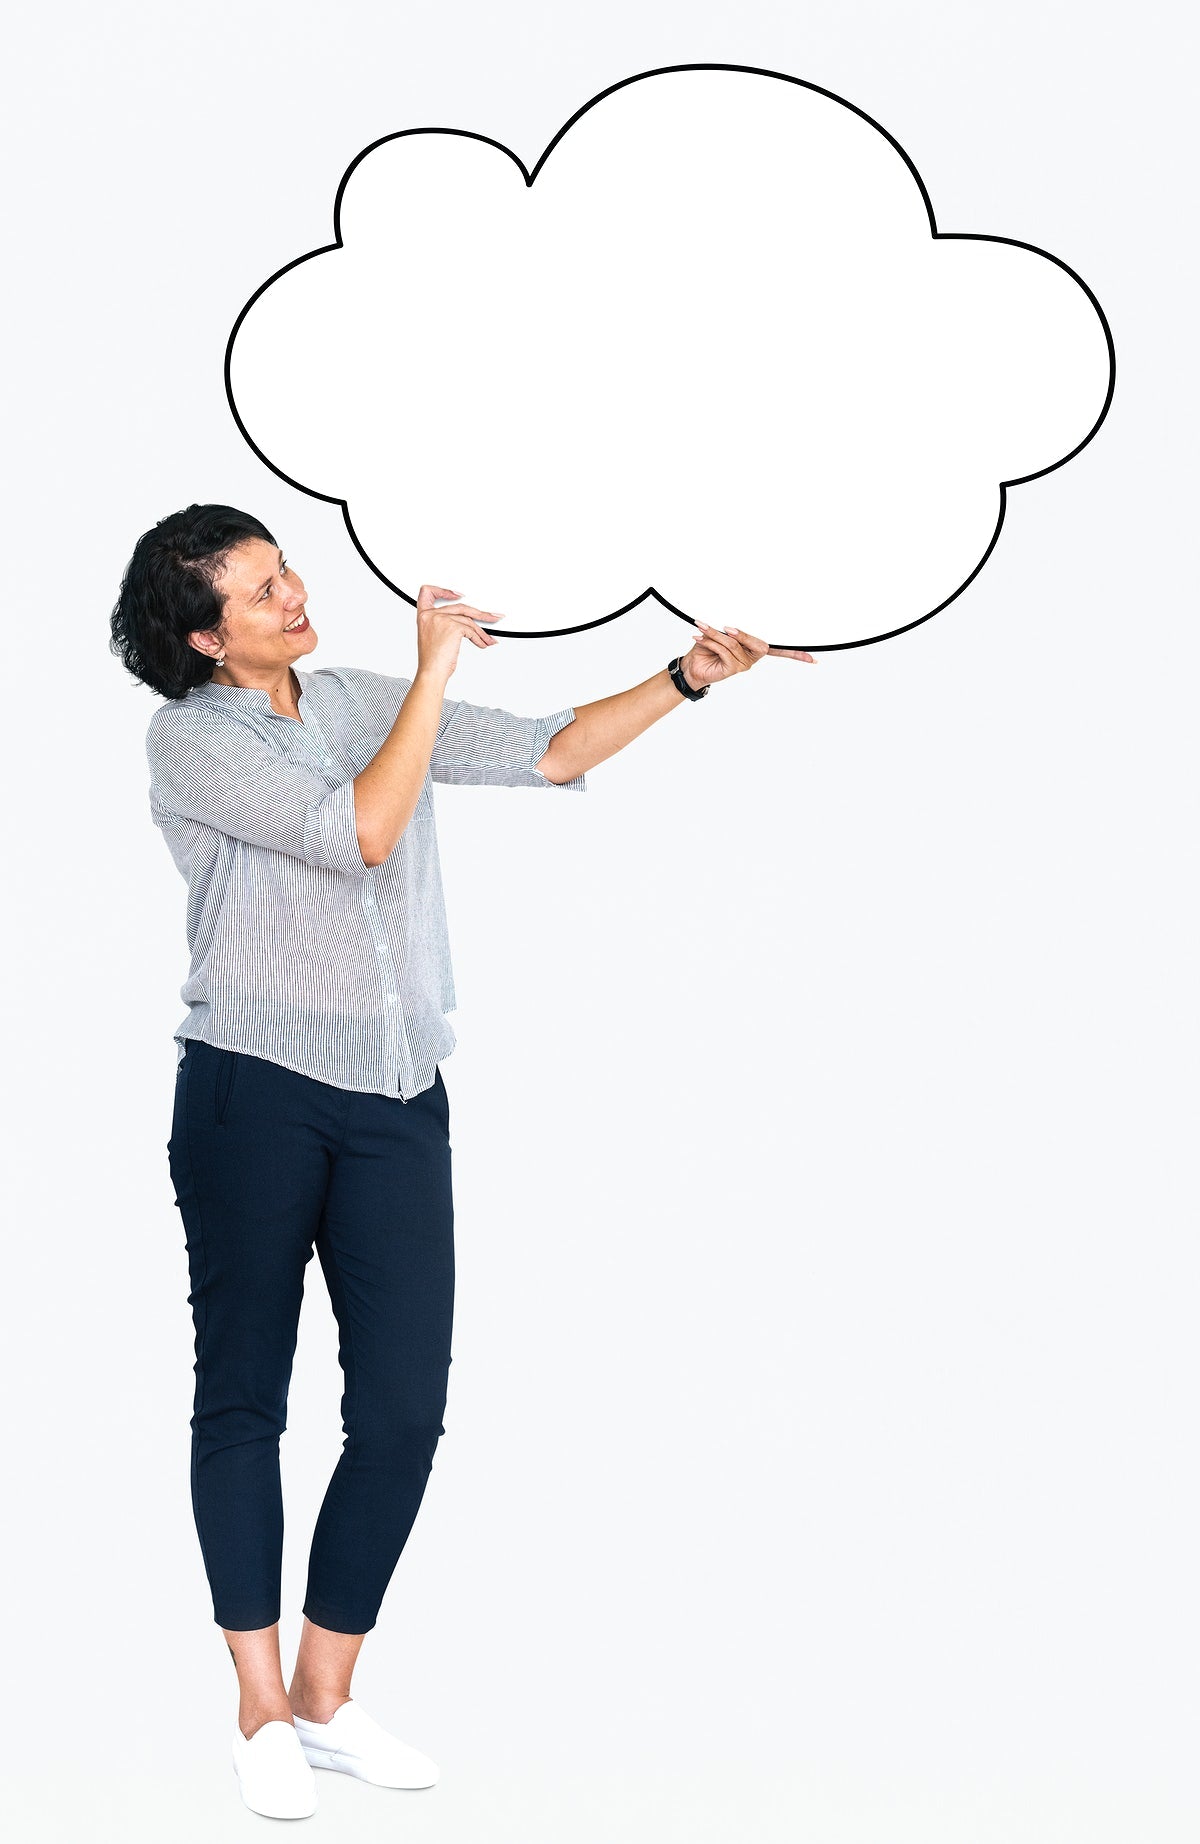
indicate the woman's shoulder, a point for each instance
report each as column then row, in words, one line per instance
column 357, row 678
column 376, row 696
column 177, row 715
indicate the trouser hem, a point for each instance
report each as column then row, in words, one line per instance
column 244, row 1625
column 335, row 1620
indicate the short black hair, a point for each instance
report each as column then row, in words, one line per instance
column 169, row 589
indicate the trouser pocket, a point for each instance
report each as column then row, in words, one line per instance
column 227, row 1069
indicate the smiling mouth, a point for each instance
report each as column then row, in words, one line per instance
column 298, row 625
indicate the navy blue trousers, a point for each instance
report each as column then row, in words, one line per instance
column 268, row 1164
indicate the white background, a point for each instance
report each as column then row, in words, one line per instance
column 821, row 1446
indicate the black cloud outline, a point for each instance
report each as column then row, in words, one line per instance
column 641, row 77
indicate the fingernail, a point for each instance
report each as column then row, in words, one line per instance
column 733, row 630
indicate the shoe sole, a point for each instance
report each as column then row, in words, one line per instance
column 347, row 1764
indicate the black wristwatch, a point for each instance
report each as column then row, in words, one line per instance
column 681, row 684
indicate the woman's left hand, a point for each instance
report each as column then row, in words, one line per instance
column 720, row 652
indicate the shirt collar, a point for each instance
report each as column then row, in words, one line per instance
column 243, row 697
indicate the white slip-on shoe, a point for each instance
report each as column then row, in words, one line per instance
column 352, row 1742
column 273, row 1773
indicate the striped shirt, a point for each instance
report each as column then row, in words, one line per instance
column 300, row 951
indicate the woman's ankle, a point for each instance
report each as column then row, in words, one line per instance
column 253, row 1714
column 313, row 1703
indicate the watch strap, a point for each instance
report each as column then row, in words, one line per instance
column 675, row 668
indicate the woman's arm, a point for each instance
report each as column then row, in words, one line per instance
column 600, row 729
column 607, row 724
column 387, row 789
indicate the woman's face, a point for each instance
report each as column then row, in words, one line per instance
column 263, row 595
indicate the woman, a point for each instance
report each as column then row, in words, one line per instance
column 309, row 1107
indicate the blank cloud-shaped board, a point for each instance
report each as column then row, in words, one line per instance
column 712, row 349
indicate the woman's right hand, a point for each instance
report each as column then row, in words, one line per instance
column 440, row 631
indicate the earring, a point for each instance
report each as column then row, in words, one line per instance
column 221, row 661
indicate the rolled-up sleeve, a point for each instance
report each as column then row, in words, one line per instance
column 480, row 743
column 236, row 783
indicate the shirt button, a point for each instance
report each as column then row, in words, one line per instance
column 391, row 998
